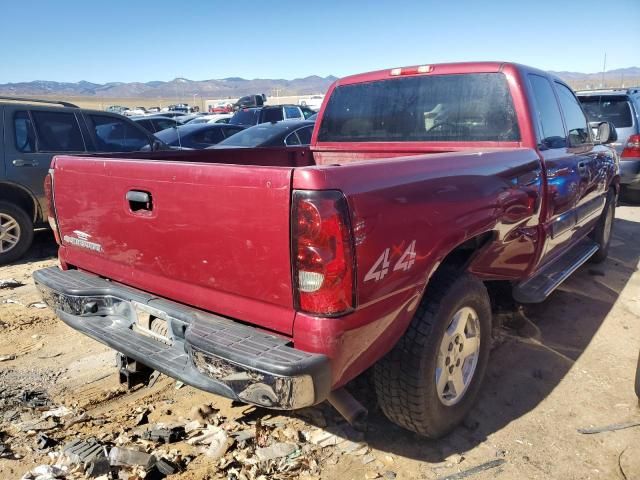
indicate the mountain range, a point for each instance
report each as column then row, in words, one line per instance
column 234, row 87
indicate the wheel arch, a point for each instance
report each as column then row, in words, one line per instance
column 21, row 197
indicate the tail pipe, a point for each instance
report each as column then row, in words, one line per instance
column 350, row 408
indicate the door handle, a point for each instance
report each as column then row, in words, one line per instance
column 139, row 200
column 19, row 162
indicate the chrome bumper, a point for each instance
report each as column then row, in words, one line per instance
column 206, row 351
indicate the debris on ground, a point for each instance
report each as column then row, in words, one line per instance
column 35, row 399
column 44, row 442
column 5, row 358
column 277, row 450
column 5, row 451
column 164, row 434
column 38, row 305
column 609, row 428
column 58, row 412
column 10, row 283
column 46, row 472
column 82, row 452
column 167, row 467
column 474, row 470
column 119, row 456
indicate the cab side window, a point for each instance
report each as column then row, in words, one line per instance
column 577, row 125
column 272, row 115
column 549, row 119
column 25, row 135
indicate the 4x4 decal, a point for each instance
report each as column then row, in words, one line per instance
column 380, row 268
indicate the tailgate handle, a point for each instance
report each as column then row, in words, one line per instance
column 139, row 200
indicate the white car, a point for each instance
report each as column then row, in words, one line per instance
column 314, row 102
column 215, row 118
column 136, row 112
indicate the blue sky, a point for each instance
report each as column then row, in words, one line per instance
column 140, row 40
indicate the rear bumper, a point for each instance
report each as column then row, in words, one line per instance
column 204, row 350
column 630, row 171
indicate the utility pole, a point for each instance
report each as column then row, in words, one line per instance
column 604, row 67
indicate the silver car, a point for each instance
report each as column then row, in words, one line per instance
column 620, row 106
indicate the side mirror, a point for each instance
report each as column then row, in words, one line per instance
column 606, row 133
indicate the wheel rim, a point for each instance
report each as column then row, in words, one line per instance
column 458, row 356
column 608, row 224
column 9, row 232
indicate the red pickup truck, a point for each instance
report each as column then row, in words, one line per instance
column 430, row 196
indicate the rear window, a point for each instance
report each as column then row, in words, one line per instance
column 460, row 108
column 608, row 108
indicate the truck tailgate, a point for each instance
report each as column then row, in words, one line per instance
column 212, row 236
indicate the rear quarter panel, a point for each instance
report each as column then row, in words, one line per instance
column 425, row 204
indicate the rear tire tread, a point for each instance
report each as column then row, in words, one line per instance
column 399, row 381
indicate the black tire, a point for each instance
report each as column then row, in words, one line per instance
column 604, row 229
column 24, row 232
column 405, row 377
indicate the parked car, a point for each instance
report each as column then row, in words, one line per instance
column 314, row 102
column 117, row 109
column 197, row 136
column 434, row 194
column 182, row 108
column 153, row 109
column 276, row 134
column 267, row 114
column 621, row 107
column 154, row 124
column 187, row 118
column 135, row 111
column 32, row 131
column 215, row 118
column 222, row 106
column 168, row 114
column 250, row 101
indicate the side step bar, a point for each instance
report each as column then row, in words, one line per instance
column 537, row 289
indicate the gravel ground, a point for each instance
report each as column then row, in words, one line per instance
column 570, row 366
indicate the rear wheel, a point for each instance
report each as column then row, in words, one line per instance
column 16, row 232
column 604, row 228
column 431, row 378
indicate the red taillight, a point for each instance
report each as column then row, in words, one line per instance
column 51, row 210
column 632, row 148
column 322, row 252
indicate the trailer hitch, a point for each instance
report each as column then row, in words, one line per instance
column 134, row 373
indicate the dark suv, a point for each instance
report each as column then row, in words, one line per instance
column 33, row 131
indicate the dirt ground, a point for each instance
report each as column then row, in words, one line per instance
column 571, row 367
